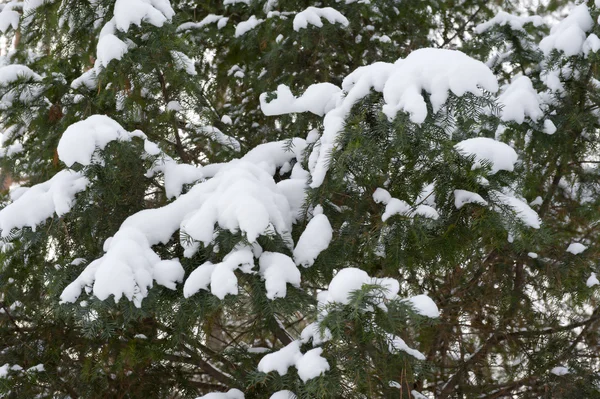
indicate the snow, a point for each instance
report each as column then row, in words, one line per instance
column 397, row 344
column 36, row 204
column 312, row 365
column 128, row 269
column 183, row 63
column 37, row 368
column 382, row 196
column 569, row 34
column 199, row 279
column 424, row 305
column 278, row 269
column 417, row 395
column 109, row 46
column 128, row 12
column 9, row 17
column 312, row 331
column 314, row 239
column 81, row 139
column 522, row 211
column 30, row 5
column 591, row 44
column 281, row 360
column 217, row 135
column 231, row 394
column 88, row 79
column 239, row 195
column 318, row 99
column 352, row 279
column 243, row 197
column 309, row 366
column 313, row 15
column 549, row 127
column 500, row 155
column 515, row 22
column 175, row 175
column 576, row 248
column 11, row 73
column 226, row 119
column 209, row 19
column 537, row 201
column 435, row 71
column 532, row 255
column 395, row 206
column 462, row 197
column 560, row 371
column 520, row 100
column 283, row 395
column 592, row 280
column 246, row 26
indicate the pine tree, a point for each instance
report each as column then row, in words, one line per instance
column 266, row 199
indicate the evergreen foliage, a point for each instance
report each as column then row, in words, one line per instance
column 187, row 217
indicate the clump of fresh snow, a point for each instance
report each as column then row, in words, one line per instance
column 592, row 280
column 9, row 17
column 397, row 344
column 352, row 279
column 424, row 305
column 36, row 204
column 243, row 197
column 30, row 5
column 435, row 71
column 127, row 13
column 278, row 269
column 312, row 331
column 175, row 175
column 313, row 15
column 318, row 98
column 515, row 22
column 500, row 155
column 532, row 255
column 549, row 127
column 183, row 63
column 217, row 135
column 462, row 197
column 309, row 365
column 283, row 395
column 81, row 140
column 36, row 369
column 11, row 73
column 246, row 26
column 128, row 269
column 519, row 100
column 281, row 360
column 239, row 196
column 314, row 239
column 569, row 34
column 560, row 370
column 395, row 206
column 522, row 211
column 591, row 44
column 133, row 12
column 576, row 248
column 209, row 19
column 231, row 394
